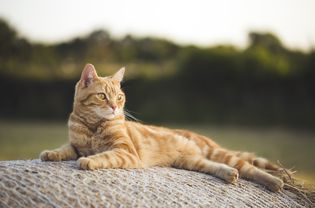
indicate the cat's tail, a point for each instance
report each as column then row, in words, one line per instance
column 259, row 162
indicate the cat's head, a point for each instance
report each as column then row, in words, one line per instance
column 99, row 97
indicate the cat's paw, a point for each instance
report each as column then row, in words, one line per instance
column 229, row 174
column 86, row 163
column 276, row 184
column 49, row 156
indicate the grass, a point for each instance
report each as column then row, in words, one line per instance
column 25, row 140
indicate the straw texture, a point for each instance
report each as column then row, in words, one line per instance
column 33, row 183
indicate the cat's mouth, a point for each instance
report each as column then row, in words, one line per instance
column 111, row 115
column 105, row 113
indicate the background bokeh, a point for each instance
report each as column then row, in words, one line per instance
column 255, row 96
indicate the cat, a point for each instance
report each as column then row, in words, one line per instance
column 100, row 137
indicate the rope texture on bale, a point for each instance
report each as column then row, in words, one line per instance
column 33, row 183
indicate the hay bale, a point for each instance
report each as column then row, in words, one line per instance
column 33, row 183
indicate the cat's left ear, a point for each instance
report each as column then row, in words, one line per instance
column 119, row 75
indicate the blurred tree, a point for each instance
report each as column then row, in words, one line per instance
column 14, row 51
column 266, row 83
column 265, row 40
column 266, row 55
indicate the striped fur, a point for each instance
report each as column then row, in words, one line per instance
column 100, row 137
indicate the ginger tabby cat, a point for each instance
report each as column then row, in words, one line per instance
column 100, row 137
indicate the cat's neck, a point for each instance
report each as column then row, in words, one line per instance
column 119, row 120
column 93, row 123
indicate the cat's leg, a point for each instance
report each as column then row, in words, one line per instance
column 116, row 158
column 253, row 173
column 246, row 169
column 199, row 163
column 65, row 152
column 257, row 161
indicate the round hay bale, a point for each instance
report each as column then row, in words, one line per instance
column 33, row 183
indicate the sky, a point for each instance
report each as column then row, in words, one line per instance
column 199, row 22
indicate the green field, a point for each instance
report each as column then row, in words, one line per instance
column 25, row 140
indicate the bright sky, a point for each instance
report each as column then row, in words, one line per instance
column 201, row 22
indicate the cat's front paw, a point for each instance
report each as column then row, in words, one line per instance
column 86, row 163
column 49, row 156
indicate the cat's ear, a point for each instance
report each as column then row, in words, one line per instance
column 119, row 75
column 88, row 75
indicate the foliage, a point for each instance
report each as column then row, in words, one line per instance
column 265, row 83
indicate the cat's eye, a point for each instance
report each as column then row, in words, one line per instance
column 102, row 96
column 119, row 97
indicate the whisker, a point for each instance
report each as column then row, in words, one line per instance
column 129, row 111
column 130, row 117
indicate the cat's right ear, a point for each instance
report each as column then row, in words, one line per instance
column 88, row 75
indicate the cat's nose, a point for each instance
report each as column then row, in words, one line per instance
column 113, row 107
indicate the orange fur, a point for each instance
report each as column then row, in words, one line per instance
column 100, row 137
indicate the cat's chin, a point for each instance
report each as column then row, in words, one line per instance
column 110, row 117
